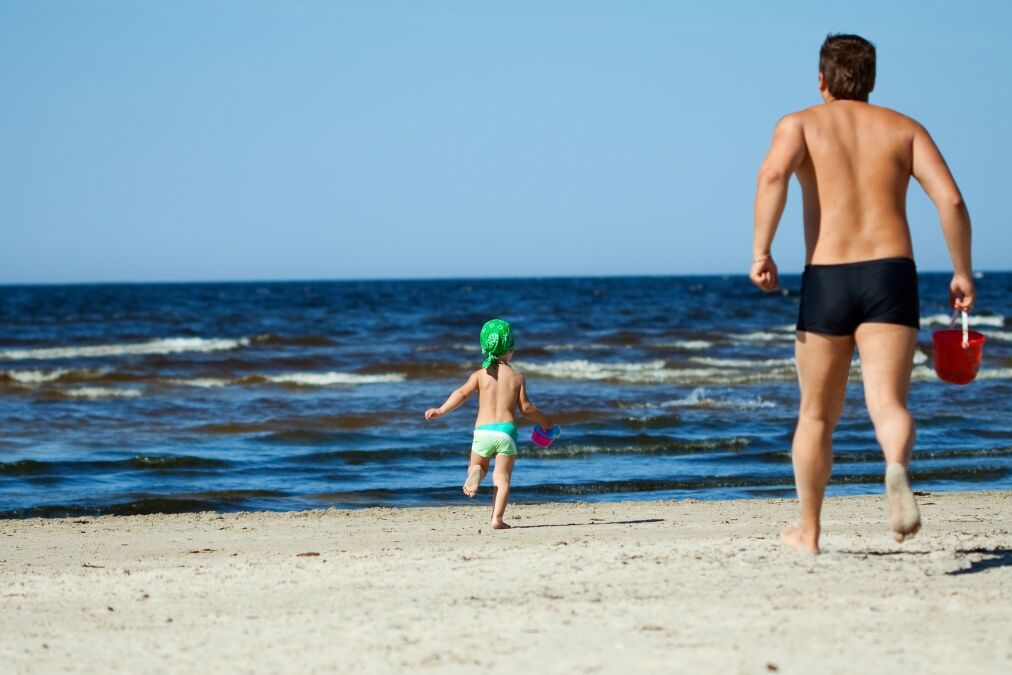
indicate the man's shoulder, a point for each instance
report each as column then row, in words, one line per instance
column 792, row 119
column 817, row 116
column 799, row 116
column 894, row 116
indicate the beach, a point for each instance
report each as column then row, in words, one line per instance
column 660, row 586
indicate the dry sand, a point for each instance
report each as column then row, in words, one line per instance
column 628, row 587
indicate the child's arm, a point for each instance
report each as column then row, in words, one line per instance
column 531, row 411
column 456, row 399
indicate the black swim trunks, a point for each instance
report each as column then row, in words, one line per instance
column 836, row 299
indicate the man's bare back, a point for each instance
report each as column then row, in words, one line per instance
column 854, row 179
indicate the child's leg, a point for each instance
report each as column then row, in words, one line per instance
column 501, row 488
column 476, row 471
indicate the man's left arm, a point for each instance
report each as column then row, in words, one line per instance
column 786, row 153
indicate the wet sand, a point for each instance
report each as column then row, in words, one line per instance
column 610, row 587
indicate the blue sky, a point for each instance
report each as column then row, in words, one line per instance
column 328, row 140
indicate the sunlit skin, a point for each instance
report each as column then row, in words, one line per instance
column 854, row 161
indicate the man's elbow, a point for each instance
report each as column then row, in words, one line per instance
column 952, row 202
column 772, row 175
column 526, row 408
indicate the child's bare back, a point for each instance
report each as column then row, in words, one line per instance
column 499, row 390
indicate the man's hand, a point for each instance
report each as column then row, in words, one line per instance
column 962, row 293
column 764, row 274
column 432, row 413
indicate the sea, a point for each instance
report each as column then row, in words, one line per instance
column 145, row 398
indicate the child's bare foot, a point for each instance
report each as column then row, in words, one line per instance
column 473, row 480
column 795, row 538
column 904, row 516
column 500, row 524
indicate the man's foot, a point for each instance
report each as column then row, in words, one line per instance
column 904, row 516
column 500, row 524
column 473, row 480
column 793, row 537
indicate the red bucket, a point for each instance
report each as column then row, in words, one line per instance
column 953, row 362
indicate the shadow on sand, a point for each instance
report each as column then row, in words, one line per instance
column 865, row 554
column 993, row 557
column 597, row 522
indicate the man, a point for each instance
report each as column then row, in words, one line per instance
column 854, row 161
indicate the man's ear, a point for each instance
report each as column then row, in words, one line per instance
column 822, row 82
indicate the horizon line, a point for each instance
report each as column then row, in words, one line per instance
column 304, row 280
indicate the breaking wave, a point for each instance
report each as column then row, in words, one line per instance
column 101, row 392
column 35, row 376
column 654, row 372
column 332, row 378
column 160, row 346
column 699, row 399
column 973, row 320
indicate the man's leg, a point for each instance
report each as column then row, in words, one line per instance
column 887, row 358
column 823, row 365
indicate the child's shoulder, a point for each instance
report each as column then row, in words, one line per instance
column 514, row 372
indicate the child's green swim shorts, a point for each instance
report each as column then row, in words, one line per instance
column 495, row 439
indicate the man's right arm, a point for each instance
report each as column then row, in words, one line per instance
column 786, row 153
column 931, row 171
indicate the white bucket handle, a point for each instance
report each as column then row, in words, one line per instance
column 966, row 329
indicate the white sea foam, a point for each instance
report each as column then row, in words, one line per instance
column 763, row 336
column 973, row 320
column 160, row 346
column 36, row 376
column 689, row 345
column 1003, row 335
column 649, row 372
column 742, row 363
column 581, row 369
column 927, row 374
column 202, row 382
column 920, row 357
column 102, row 392
column 331, row 378
column 699, row 399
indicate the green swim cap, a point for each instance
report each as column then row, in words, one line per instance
column 496, row 340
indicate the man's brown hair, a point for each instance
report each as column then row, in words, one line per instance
column 847, row 64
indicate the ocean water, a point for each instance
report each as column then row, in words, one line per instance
column 280, row 396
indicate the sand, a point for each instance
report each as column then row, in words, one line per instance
column 612, row 587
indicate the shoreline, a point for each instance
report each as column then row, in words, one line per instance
column 128, row 509
column 574, row 587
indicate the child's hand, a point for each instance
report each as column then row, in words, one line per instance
column 432, row 413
